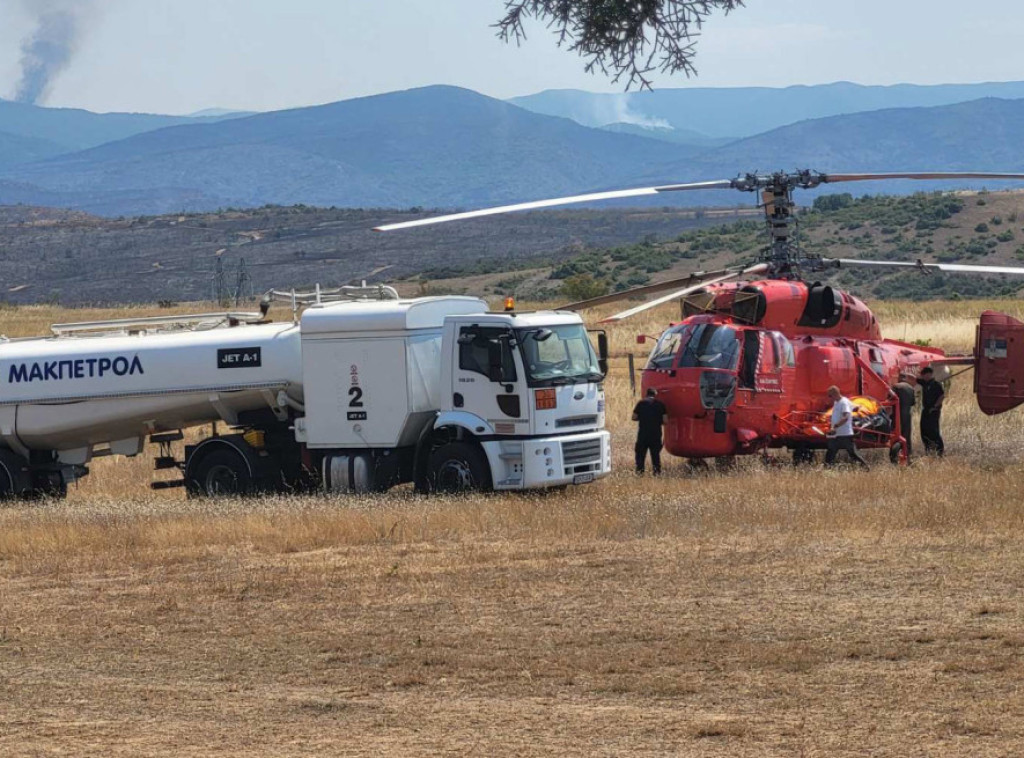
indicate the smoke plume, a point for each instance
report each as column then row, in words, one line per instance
column 51, row 45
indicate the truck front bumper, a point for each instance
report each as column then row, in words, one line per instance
column 520, row 464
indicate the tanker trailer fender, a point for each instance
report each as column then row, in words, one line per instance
column 241, row 469
column 449, row 426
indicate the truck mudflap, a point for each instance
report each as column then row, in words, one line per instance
column 999, row 363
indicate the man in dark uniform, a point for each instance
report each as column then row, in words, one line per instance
column 650, row 413
column 932, row 396
column 905, row 396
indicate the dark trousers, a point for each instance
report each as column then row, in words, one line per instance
column 930, row 435
column 835, row 444
column 643, row 447
column 907, row 428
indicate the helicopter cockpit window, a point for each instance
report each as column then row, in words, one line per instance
column 664, row 353
column 786, row 355
column 710, row 346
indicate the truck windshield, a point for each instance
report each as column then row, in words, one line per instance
column 558, row 355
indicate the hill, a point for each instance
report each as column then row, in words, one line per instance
column 669, row 134
column 450, row 147
column 71, row 257
column 985, row 135
column 967, row 227
column 53, row 131
column 746, row 111
column 430, row 146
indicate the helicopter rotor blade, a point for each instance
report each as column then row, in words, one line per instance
column 697, row 277
column 757, row 269
column 922, row 266
column 556, row 201
column 833, row 178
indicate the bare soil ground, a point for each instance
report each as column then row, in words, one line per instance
column 762, row 612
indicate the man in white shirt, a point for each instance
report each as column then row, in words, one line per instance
column 840, row 436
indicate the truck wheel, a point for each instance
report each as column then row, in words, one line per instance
column 6, row 484
column 48, row 486
column 14, row 478
column 459, row 467
column 220, row 473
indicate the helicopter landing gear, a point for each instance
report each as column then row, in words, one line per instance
column 698, row 465
column 896, row 453
column 804, row 456
column 725, row 464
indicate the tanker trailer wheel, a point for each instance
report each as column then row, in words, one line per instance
column 6, row 483
column 15, row 480
column 459, row 467
column 220, row 473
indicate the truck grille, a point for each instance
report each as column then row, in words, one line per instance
column 576, row 421
column 582, row 456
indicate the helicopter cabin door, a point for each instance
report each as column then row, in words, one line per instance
column 776, row 364
column 766, row 357
column 999, row 363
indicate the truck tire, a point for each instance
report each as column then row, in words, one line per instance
column 14, row 478
column 220, row 473
column 6, row 483
column 48, row 486
column 459, row 467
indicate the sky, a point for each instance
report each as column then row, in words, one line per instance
column 181, row 56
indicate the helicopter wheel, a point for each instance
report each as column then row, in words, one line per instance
column 804, row 456
column 725, row 463
column 698, row 465
column 894, row 453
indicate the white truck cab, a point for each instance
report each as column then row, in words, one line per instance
column 527, row 388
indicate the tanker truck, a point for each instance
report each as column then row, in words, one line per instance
column 359, row 391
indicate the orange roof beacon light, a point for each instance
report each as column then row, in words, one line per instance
column 510, row 303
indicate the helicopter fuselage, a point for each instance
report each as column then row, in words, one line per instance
column 750, row 364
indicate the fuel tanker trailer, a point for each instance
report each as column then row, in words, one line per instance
column 359, row 391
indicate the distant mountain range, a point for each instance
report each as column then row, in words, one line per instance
column 746, row 111
column 29, row 132
column 436, row 146
column 450, row 147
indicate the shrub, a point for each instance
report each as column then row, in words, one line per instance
column 583, row 287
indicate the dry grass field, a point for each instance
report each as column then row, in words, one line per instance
column 757, row 613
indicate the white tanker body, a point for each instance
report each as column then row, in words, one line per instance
column 353, row 398
column 71, row 393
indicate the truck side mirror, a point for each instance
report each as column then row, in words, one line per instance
column 602, row 352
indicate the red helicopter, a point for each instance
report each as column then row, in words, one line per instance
column 748, row 366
